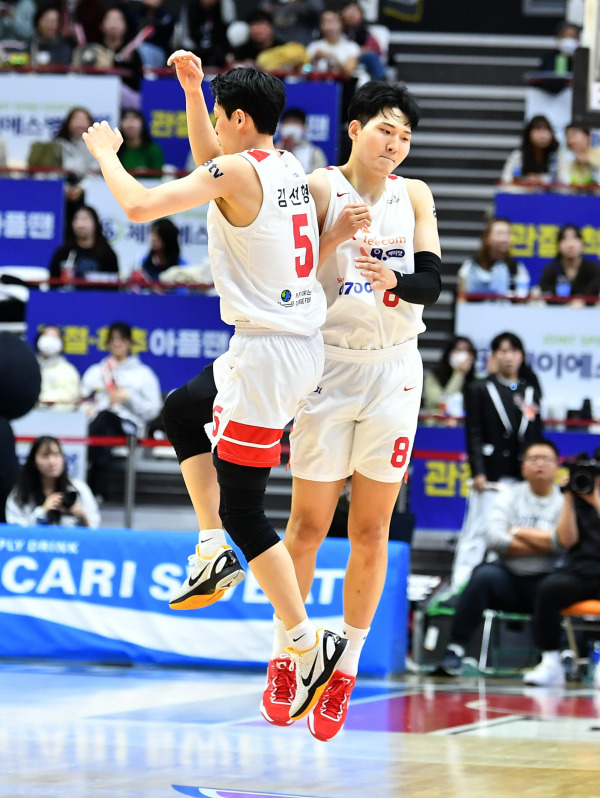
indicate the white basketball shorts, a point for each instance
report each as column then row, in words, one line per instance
column 260, row 380
column 362, row 416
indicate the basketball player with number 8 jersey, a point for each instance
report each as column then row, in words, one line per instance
column 379, row 265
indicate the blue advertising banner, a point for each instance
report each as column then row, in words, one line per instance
column 102, row 595
column 438, row 484
column 535, row 222
column 31, row 221
column 163, row 105
column 177, row 336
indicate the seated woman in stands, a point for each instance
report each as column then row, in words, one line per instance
column 493, row 271
column 536, row 159
column 60, row 379
column 86, row 254
column 139, row 150
column 46, row 495
column 570, row 274
column 164, row 252
column 579, row 162
column 444, row 386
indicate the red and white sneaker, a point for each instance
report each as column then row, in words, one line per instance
column 330, row 712
column 279, row 692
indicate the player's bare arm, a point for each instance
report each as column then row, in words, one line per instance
column 217, row 179
column 203, row 139
column 426, row 230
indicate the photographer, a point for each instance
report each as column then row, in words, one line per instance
column 44, row 493
column 578, row 577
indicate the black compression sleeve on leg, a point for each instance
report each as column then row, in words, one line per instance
column 242, row 490
column 424, row 286
column 185, row 413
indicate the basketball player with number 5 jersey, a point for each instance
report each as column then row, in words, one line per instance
column 379, row 266
column 263, row 247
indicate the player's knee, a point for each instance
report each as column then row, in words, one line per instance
column 183, row 426
column 304, row 535
column 243, row 517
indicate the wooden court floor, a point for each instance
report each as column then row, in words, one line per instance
column 144, row 732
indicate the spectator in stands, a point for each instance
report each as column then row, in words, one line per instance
column 444, row 386
column 139, row 150
column 121, row 395
column 47, row 45
column 292, row 136
column 45, row 494
column 579, row 162
column 494, row 270
column 86, row 254
column 116, row 49
column 68, row 151
column 155, row 49
column 570, row 274
column 60, row 379
column 536, row 160
column 560, row 60
column 204, row 30
column 87, row 14
column 164, row 252
column 295, row 20
column 333, row 52
column 356, row 30
column 502, row 417
column 522, row 549
column 576, row 579
column 262, row 38
column 16, row 20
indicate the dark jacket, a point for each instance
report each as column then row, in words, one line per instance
column 586, row 282
column 493, row 449
column 584, row 557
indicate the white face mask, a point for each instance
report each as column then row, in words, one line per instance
column 568, row 46
column 49, row 345
column 292, row 131
column 458, row 358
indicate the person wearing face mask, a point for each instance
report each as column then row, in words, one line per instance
column 60, row 379
column 292, row 136
column 444, row 386
column 560, row 60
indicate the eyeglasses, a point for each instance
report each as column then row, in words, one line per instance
column 539, row 458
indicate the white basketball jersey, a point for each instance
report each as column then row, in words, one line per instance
column 265, row 273
column 357, row 316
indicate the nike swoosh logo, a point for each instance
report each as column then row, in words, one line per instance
column 343, row 193
column 193, row 581
column 295, row 639
column 410, row 389
column 306, row 682
column 205, row 541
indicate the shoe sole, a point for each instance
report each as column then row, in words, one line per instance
column 263, row 712
column 196, row 601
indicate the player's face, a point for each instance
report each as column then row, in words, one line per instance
column 384, row 142
column 227, row 130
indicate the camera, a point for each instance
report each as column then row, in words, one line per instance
column 582, row 473
column 69, row 499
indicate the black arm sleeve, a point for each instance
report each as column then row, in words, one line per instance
column 424, row 286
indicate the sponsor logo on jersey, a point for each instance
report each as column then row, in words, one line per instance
column 286, row 295
column 395, row 253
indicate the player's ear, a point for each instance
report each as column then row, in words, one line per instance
column 353, row 129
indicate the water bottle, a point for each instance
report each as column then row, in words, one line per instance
column 594, row 664
column 563, row 286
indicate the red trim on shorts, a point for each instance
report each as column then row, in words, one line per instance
column 260, row 155
column 392, row 177
column 262, row 449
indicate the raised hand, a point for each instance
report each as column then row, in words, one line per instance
column 101, row 138
column 380, row 277
column 350, row 220
column 189, row 69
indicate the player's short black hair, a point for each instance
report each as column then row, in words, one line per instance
column 258, row 94
column 376, row 96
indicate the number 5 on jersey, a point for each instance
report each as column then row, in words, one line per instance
column 305, row 261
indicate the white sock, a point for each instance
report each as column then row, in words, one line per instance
column 458, row 650
column 303, row 636
column 348, row 664
column 280, row 639
column 209, row 541
column 551, row 657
